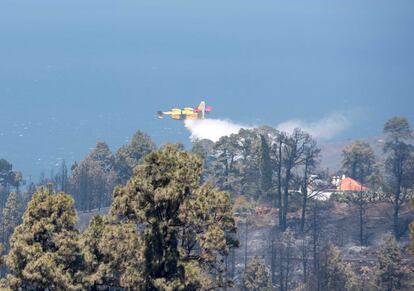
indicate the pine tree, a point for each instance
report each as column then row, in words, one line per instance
column 257, row 276
column 203, row 148
column 94, row 178
column 285, row 250
column 113, row 255
column 336, row 274
column 132, row 154
column 358, row 160
column 44, row 251
column 155, row 196
column 102, row 154
column 293, row 149
column 399, row 165
column 11, row 218
column 311, row 156
column 62, row 179
column 208, row 224
column 8, row 179
column 247, row 179
column 265, row 167
column 122, row 248
column 186, row 228
column 90, row 240
column 389, row 269
column 225, row 173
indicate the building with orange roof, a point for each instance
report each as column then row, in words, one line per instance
column 349, row 184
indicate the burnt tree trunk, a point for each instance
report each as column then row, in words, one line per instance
column 304, row 198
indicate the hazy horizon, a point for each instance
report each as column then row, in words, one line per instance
column 76, row 72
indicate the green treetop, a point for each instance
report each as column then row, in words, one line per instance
column 257, row 276
column 265, row 167
column 389, row 269
column 337, row 274
column 44, row 251
column 132, row 154
column 11, row 217
column 358, row 160
column 186, row 228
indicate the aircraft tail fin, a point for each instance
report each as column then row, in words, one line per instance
column 160, row 114
column 202, row 108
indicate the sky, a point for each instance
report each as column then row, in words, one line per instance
column 74, row 72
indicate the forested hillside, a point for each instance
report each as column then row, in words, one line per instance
column 256, row 210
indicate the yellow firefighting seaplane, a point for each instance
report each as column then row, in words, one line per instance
column 187, row 112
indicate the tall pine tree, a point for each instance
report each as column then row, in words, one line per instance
column 257, row 276
column 265, row 167
column 186, row 229
column 389, row 269
column 113, row 256
column 44, row 251
column 11, row 218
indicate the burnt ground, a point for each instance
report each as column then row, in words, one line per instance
column 339, row 224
